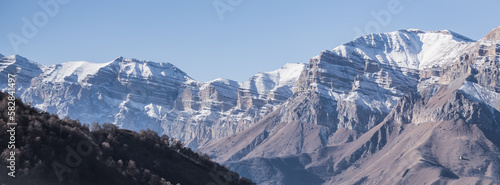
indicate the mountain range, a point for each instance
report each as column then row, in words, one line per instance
column 404, row 107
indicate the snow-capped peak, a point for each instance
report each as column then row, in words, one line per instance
column 412, row 30
column 74, row 71
column 456, row 36
column 224, row 86
column 289, row 73
column 410, row 48
column 221, row 80
column 147, row 69
column 78, row 71
column 284, row 77
column 16, row 58
column 18, row 61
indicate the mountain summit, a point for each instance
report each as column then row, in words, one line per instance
column 375, row 107
column 139, row 94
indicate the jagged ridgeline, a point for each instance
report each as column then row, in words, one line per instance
column 50, row 150
column 404, row 107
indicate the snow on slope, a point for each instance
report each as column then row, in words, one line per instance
column 482, row 94
column 79, row 71
column 224, row 86
column 375, row 70
column 225, row 106
column 18, row 61
column 411, row 48
column 355, row 81
column 22, row 67
column 139, row 94
column 71, row 71
column 147, row 69
column 266, row 82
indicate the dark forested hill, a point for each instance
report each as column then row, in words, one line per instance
column 50, row 150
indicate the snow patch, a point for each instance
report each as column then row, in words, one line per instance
column 482, row 94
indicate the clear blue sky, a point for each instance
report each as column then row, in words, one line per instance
column 256, row 36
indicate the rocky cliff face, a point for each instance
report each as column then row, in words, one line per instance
column 212, row 110
column 24, row 70
column 125, row 91
column 364, row 78
column 137, row 95
column 406, row 104
column 379, row 104
column 355, row 86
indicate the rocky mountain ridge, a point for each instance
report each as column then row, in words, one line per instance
column 138, row 94
column 352, row 105
column 398, row 103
